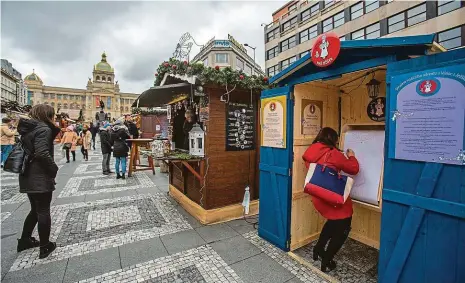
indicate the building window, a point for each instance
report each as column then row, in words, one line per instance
column 416, row 15
column 97, row 78
column 304, row 53
column 342, row 38
column 248, row 70
column 83, row 98
column 222, row 57
column 363, row 7
column 109, row 79
column 312, row 11
column 205, row 61
column 58, row 96
column 273, row 70
column 371, row 5
column 368, row 32
column 328, row 3
column 271, row 53
column 289, row 24
column 103, row 78
column 288, row 43
column 396, row 23
column 239, row 64
column 52, row 96
column 451, row 39
column 333, row 22
column 447, row 6
column 272, row 34
column 308, row 34
column 287, row 62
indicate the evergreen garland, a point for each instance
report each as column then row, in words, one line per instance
column 208, row 75
column 149, row 111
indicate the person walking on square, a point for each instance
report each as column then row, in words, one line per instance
column 93, row 130
column 68, row 141
column 119, row 134
column 7, row 137
column 38, row 179
column 324, row 151
column 86, row 138
column 105, row 144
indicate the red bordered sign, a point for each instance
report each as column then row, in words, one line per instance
column 326, row 49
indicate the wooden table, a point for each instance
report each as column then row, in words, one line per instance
column 185, row 162
column 133, row 166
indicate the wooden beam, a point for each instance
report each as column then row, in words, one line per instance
column 190, row 168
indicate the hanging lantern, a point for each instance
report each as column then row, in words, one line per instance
column 196, row 141
column 373, row 87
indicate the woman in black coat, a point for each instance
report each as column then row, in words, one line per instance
column 119, row 134
column 38, row 179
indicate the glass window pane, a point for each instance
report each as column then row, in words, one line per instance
column 221, row 57
column 342, row 38
column 417, row 10
column 329, row 3
column 338, row 23
column 456, row 32
column 358, row 34
column 372, row 28
column 314, row 9
column 395, row 19
column 356, row 10
column 356, row 14
column 416, row 19
column 447, row 6
column 396, row 27
column 452, row 43
column 339, row 16
column 371, row 5
column 373, row 35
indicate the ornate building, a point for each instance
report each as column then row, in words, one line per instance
column 102, row 86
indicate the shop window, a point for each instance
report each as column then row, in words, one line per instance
column 451, row 39
column 273, row 70
column 288, row 43
column 333, row 22
column 312, row 11
column 289, row 24
column 369, row 32
column 271, row 53
column 222, row 57
column 287, row 62
column 448, row 6
column 272, row 34
column 309, row 33
column 239, row 64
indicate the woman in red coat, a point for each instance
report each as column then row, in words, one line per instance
column 337, row 227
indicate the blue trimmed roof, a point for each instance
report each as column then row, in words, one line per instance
column 353, row 51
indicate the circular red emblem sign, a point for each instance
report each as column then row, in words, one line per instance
column 326, row 49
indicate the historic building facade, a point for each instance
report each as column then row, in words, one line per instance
column 13, row 87
column 102, row 86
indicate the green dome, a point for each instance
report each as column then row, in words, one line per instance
column 103, row 65
column 33, row 77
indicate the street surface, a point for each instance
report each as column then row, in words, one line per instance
column 110, row 230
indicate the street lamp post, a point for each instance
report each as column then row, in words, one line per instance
column 253, row 48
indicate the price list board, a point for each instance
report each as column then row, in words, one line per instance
column 240, row 127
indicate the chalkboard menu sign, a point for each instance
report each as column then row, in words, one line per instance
column 240, row 127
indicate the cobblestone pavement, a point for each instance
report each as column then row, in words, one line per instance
column 110, row 230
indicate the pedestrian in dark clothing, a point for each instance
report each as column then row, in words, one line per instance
column 105, row 141
column 119, row 134
column 132, row 128
column 187, row 127
column 38, row 179
column 93, row 130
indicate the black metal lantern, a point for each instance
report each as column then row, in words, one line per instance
column 373, row 87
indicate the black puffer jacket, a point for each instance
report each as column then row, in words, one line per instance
column 119, row 134
column 105, row 141
column 37, row 137
column 132, row 128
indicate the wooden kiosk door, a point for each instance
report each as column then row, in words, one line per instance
column 276, row 118
column 423, row 216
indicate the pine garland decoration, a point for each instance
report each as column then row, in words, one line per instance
column 209, row 75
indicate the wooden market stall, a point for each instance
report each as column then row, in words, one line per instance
column 211, row 186
column 349, row 92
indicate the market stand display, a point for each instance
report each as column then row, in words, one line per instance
column 372, row 92
column 225, row 102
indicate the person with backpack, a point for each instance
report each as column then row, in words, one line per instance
column 38, row 177
column 119, row 134
column 7, row 137
column 105, row 144
column 68, row 141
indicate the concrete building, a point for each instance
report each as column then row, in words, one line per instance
column 13, row 87
column 296, row 25
column 228, row 53
column 102, row 85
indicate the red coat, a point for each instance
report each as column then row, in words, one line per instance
column 316, row 153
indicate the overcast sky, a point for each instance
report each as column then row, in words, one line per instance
column 63, row 40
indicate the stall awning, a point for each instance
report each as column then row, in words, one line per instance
column 161, row 95
column 353, row 51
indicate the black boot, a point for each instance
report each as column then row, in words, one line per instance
column 24, row 244
column 118, row 176
column 327, row 266
column 46, row 250
column 123, row 176
column 317, row 253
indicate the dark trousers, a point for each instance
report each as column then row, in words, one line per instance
column 72, row 152
column 106, row 162
column 335, row 232
column 93, row 141
column 40, row 214
column 85, row 153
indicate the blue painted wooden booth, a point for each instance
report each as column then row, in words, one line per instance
column 422, row 229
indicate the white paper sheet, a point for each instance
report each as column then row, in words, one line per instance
column 368, row 146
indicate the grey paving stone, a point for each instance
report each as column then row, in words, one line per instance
column 261, row 268
column 141, row 251
column 10, row 207
column 217, row 232
column 294, row 280
column 189, row 218
column 241, row 226
column 66, row 200
column 124, row 193
column 99, row 196
column 93, row 264
column 10, row 242
column 235, row 249
column 7, row 260
column 12, row 226
column 182, row 241
column 46, row 273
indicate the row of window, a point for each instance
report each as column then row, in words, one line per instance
column 97, row 78
column 76, row 97
column 395, row 23
column 242, row 66
column 74, row 106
